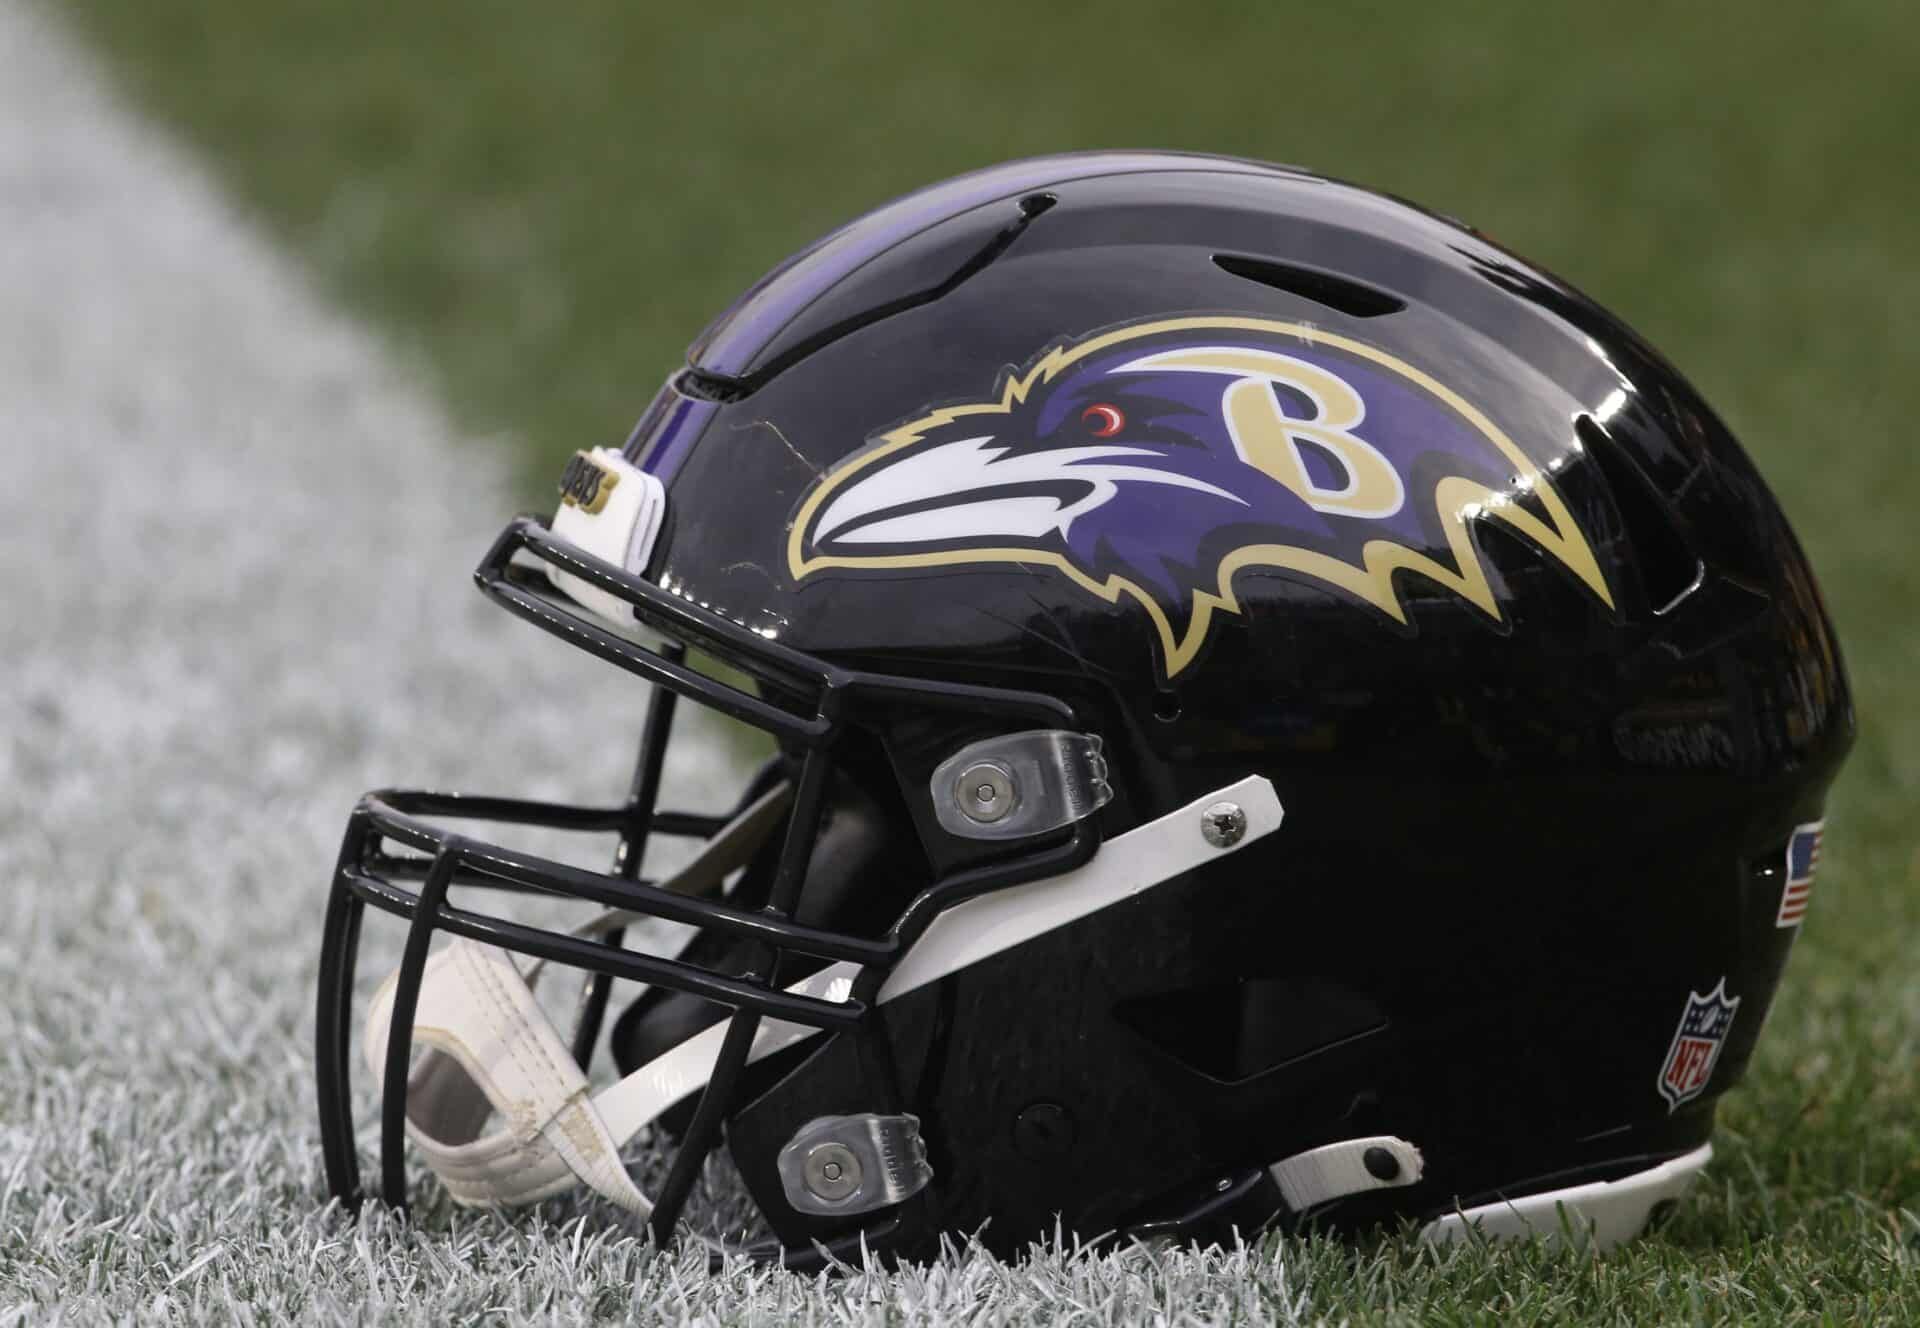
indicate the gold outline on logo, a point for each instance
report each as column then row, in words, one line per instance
column 1458, row 499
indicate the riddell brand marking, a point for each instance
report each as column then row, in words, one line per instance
column 586, row 484
column 1696, row 1045
column 1803, row 860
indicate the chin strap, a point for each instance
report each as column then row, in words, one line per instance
column 492, row 1051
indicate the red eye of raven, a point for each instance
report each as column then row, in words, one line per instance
column 1103, row 421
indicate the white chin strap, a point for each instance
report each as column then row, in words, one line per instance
column 493, row 1052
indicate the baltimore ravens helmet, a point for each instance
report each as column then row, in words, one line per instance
column 1282, row 711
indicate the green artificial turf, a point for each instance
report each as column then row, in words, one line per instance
column 542, row 204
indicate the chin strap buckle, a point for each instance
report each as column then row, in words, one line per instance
column 836, row 1165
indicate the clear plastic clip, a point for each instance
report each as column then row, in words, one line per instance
column 853, row 1164
column 1020, row 784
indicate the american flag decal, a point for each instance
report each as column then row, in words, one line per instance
column 1803, row 859
column 1696, row 1044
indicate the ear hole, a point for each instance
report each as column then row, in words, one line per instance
column 1338, row 293
column 1166, row 705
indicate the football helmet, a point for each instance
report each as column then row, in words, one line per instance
column 1281, row 710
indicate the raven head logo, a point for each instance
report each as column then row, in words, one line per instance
column 1157, row 461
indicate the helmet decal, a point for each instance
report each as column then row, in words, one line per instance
column 1156, row 461
column 1696, row 1044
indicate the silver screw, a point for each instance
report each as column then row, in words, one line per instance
column 831, row 1171
column 1223, row 824
column 984, row 792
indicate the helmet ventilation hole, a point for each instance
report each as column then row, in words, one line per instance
column 1338, row 293
column 1669, row 568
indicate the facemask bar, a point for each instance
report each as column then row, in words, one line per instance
column 642, row 797
column 818, row 699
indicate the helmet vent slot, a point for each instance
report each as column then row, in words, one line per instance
column 1669, row 568
column 704, row 386
column 1338, row 293
column 726, row 388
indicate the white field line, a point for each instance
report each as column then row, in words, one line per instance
column 235, row 547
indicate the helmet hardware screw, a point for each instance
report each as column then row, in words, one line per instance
column 1223, row 824
column 1381, row 1164
column 985, row 792
column 831, row 1172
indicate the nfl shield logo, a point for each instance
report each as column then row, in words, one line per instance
column 1696, row 1045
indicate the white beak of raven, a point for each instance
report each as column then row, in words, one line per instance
column 971, row 489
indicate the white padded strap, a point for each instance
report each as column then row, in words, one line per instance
column 520, row 1165
column 1335, row 1171
column 489, row 1040
column 494, row 1050
column 1127, row 864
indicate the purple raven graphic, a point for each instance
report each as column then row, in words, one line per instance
column 1157, row 461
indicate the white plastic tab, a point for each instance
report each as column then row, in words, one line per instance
column 1605, row 1212
column 1352, row 1166
column 1142, row 858
column 611, row 509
